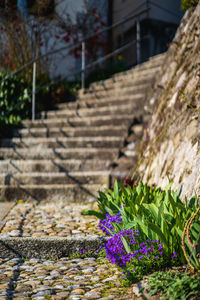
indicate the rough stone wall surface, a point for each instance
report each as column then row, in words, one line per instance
column 171, row 143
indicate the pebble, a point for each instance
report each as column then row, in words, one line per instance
column 56, row 279
column 31, row 285
column 50, row 219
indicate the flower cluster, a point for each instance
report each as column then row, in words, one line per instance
column 174, row 255
column 117, row 254
column 106, row 224
column 82, row 251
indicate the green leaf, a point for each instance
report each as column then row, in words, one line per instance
column 92, row 213
column 142, row 225
column 196, row 226
column 116, row 190
column 192, row 202
column 168, row 187
column 153, row 210
column 126, row 246
column 123, row 190
column 160, row 211
column 157, row 230
column 130, row 225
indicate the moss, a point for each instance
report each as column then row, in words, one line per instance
column 186, row 4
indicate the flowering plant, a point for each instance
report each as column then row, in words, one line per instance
column 128, row 251
column 155, row 214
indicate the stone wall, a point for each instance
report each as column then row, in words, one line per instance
column 171, row 143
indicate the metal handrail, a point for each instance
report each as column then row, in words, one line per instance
column 82, row 43
column 88, row 66
column 77, row 45
column 126, row 19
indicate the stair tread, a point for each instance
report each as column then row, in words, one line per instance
column 50, row 186
column 40, row 139
column 106, row 101
column 68, row 153
column 129, row 116
column 59, row 174
column 72, row 129
column 80, row 111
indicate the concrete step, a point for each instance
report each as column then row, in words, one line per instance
column 63, row 142
column 121, row 82
column 144, row 69
column 62, row 154
column 140, row 71
column 110, row 93
column 130, row 80
column 108, row 101
column 85, row 121
column 50, row 192
column 123, row 108
column 40, row 178
column 72, row 132
column 45, row 248
column 71, row 165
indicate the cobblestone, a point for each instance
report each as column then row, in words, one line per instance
column 49, row 220
column 24, row 284
column 56, row 279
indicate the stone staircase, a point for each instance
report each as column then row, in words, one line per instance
column 68, row 153
column 55, row 166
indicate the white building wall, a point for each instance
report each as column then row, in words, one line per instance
column 64, row 65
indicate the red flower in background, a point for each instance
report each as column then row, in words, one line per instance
column 66, row 37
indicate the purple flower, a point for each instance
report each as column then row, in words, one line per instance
column 174, row 255
column 114, row 248
column 106, row 224
column 81, row 251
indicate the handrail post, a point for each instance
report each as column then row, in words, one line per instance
column 122, row 34
column 83, row 67
column 33, row 91
column 138, row 40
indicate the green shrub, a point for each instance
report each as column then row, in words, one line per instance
column 14, row 102
column 49, row 93
column 16, row 97
column 191, row 253
column 174, row 285
column 156, row 214
column 186, row 4
column 137, row 269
